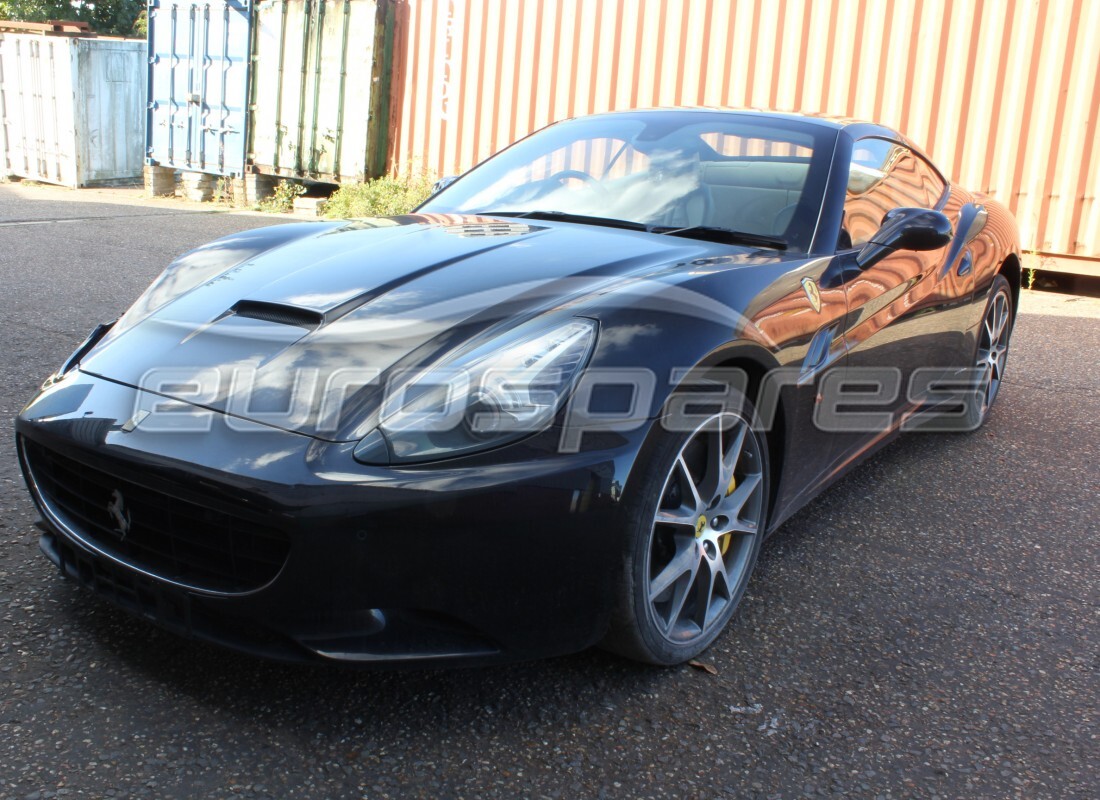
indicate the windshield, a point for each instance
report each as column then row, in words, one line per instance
column 666, row 170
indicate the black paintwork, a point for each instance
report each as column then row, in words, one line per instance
column 508, row 553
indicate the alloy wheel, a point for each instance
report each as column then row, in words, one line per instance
column 993, row 350
column 705, row 531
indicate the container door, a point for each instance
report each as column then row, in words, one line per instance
column 198, row 82
column 110, row 109
column 37, row 87
column 312, row 105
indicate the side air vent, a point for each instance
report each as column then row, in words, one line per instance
column 278, row 313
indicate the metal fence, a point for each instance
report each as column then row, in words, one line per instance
column 1004, row 94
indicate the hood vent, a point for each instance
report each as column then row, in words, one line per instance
column 279, row 314
column 485, row 229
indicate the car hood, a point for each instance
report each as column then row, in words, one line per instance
column 283, row 317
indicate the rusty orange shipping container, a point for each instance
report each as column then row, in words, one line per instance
column 1004, row 94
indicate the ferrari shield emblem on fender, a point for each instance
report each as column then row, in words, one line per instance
column 809, row 285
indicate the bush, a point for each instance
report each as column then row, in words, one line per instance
column 381, row 197
column 282, row 201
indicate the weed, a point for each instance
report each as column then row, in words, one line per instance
column 380, row 197
column 282, row 201
column 223, row 191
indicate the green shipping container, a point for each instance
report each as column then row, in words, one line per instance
column 319, row 104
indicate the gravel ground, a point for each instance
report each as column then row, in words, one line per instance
column 928, row 628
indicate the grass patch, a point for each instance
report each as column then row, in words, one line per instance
column 381, row 197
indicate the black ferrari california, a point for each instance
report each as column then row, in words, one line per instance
column 561, row 404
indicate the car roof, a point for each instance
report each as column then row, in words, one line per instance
column 855, row 127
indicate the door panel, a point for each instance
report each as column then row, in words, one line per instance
column 903, row 311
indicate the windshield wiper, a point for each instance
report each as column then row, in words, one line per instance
column 562, row 216
column 706, row 232
column 725, row 235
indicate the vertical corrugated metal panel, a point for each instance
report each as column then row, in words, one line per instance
column 388, row 64
column 198, row 84
column 5, row 161
column 72, row 108
column 38, row 91
column 312, row 89
column 1003, row 94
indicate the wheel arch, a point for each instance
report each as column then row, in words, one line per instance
column 757, row 367
column 1012, row 269
column 756, row 361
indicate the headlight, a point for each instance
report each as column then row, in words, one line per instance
column 485, row 397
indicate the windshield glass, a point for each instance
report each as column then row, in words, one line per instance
column 667, row 169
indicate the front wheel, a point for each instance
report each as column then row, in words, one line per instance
column 991, row 355
column 695, row 525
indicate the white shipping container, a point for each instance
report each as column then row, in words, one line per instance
column 73, row 109
column 5, row 170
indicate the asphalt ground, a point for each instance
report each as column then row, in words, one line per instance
column 927, row 628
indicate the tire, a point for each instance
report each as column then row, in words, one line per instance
column 694, row 528
column 991, row 349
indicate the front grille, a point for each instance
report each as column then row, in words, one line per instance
column 170, row 538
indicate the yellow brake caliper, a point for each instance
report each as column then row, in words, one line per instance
column 729, row 536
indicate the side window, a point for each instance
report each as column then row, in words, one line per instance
column 931, row 182
column 883, row 176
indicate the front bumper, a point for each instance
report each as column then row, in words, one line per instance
column 510, row 554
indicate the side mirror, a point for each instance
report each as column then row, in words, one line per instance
column 443, row 183
column 906, row 229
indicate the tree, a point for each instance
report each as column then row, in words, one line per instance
column 37, row 10
column 109, row 17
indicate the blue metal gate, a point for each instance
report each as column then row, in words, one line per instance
column 199, row 61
